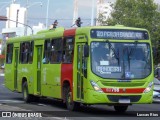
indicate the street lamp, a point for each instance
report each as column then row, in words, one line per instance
column 28, row 6
column 4, row 18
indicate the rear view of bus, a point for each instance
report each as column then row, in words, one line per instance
column 121, row 68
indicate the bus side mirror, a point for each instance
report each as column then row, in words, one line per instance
column 86, row 51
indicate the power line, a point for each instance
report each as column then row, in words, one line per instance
column 56, row 18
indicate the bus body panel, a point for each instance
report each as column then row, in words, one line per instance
column 54, row 75
column 51, row 80
column 9, row 77
column 67, row 74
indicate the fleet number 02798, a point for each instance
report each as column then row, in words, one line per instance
column 112, row 89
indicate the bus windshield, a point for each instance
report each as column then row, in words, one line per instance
column 121, row 60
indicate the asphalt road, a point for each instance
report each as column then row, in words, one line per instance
column 10, row 101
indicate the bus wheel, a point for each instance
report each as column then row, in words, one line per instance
column 26, row 96
column 121, row 109
column 71, row 105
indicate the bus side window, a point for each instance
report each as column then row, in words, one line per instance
column 24, row 52
column 9, row 53
column 31, row 50
column 56, row 51
column 47, row 47
column 68, row 50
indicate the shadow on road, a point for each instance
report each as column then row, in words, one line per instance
column 82, row 111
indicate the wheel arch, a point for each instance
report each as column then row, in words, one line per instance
column 65, row 84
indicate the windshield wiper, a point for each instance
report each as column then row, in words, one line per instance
column 114, row 51
column 128, row 53
column 133, row 49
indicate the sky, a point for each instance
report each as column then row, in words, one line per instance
column 58, row 9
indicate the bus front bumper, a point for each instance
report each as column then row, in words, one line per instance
column 93, row 97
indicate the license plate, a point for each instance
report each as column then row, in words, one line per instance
column 124, row 101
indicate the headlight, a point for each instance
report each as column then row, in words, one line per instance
column 96, row 87
column 149, row 88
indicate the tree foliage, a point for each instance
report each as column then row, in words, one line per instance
column 138, row 13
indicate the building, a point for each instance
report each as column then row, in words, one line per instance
column 103, row 8
column 15, row 26
column 16, row 15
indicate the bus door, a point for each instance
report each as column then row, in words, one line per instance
column 39, row 60
column 81, row 70
column 16, row 53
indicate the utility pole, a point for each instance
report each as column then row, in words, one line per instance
column 75, row 12
column 47, row 14
column 26, row 19
column 92, row 15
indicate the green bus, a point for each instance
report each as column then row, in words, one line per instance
column 110, row 65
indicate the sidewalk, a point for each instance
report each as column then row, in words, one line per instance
column 1, row 72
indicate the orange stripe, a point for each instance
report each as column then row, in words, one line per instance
column 70, row 32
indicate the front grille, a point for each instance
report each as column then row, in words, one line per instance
column 123, row 84
column 115, row 98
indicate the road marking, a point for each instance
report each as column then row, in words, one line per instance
column 58, row 118
column 39, row 104
column 1, row 74
column 11, row 101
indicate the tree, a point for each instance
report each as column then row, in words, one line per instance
column 137, row 13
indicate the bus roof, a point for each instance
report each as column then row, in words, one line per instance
column 59, row 32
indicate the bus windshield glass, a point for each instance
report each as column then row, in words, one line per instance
column 121, row 60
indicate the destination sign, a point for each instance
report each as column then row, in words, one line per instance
column 119, row 34
column 108, row 69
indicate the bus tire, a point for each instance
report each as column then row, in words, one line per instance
column 35, row 98
column 26, row 97
column 71, row 105
column 121, row 109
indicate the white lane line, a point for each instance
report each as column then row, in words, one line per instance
column 1, row 74
column 11, row 101
column 39, row 104
column 58, row 118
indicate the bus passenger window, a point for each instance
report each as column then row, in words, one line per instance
column 24, row 52
column 47, row 47
column 31, row 48
column 68, row 50
column 56, row 51
column 9, row 53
